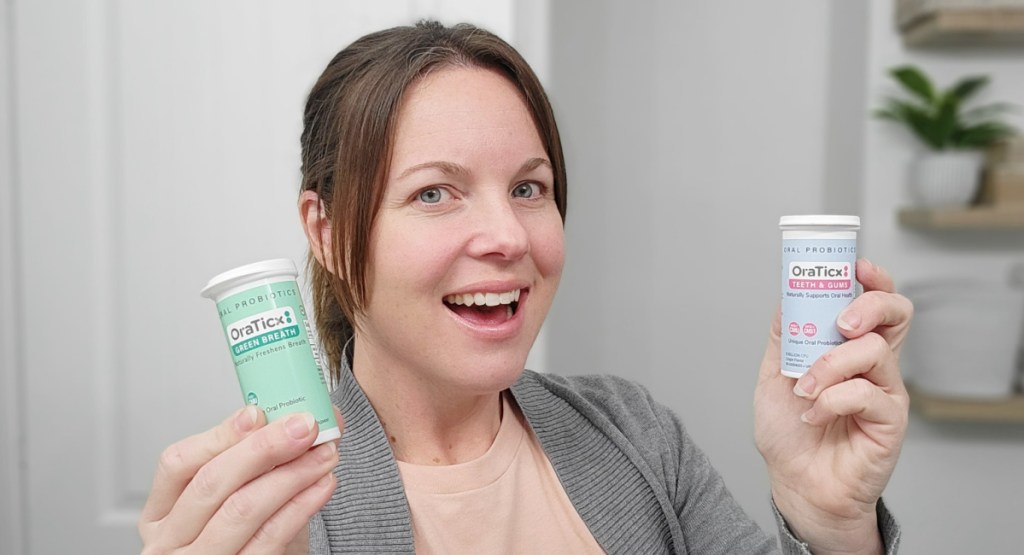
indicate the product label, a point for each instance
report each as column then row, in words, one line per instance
column 277, row 366
column 818, row 281
column 832, row 276
column 262, row 329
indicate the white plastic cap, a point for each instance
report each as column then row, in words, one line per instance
column 849, row 223
column 235, row 277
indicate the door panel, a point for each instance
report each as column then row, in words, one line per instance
column 157, row 145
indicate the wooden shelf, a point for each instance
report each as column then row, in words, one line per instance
column 975, row 217
column 1010, row 410
column 967, row 26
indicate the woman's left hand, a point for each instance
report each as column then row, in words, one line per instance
column 831, row 442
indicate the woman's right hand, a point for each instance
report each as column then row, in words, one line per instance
column 240, row 487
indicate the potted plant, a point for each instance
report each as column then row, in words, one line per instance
column 947, row 171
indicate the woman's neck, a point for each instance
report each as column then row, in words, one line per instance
column 426, row 423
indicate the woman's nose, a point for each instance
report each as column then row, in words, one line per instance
column 499, row 232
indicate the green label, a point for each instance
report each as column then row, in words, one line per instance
column 277, row 365
column 265, row 339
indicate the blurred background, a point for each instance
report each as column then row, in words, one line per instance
column 146, row 146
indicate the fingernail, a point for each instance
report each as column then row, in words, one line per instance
column 848, row 320
column 807, row 417
column 246, row 420
column 299, row 425
column 327, row 451
column 804, row 386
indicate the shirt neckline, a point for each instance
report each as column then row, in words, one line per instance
column 477, row 473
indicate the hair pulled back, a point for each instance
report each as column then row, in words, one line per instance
column 347, row 138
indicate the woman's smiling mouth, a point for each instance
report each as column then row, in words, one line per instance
column 484, row 309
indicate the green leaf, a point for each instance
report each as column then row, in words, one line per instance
column 886, row 114
column 981, row 135
column 987, row 111
column 945, row 119
column 898, row 109
column 918, row 120
column 935, row 117
column 915, row 81
column 967, row 86
column 924, row 126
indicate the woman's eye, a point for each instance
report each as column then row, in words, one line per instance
column 526, row 190
column 432, row 195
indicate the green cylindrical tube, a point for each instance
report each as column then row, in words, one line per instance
column 265, row 324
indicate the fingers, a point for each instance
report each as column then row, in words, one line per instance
column 284, row 528
column 856, row 397
column 874, row 309
column 861, row 376
column 180, row 462
column 267, row 512
column 271, row 446
column 868, row 357
column 292, row 519
column 873, row 277
column 769, row 370
column 775, row 331
column 879, row 309
column 888, row 314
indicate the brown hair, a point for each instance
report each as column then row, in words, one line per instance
column 348, row 131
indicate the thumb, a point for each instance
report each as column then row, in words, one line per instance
column 773, row 351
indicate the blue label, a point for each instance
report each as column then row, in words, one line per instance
column 818, row 281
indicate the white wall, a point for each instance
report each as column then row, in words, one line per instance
column 11, row 498
column 888, row 150
column 958, row 488
column 689, row 127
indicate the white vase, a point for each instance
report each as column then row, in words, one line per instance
column 965, row 338
column 946, row 178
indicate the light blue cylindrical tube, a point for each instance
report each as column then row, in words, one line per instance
column 819, row 260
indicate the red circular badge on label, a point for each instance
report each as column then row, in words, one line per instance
column 810, row 330
column 794, row 328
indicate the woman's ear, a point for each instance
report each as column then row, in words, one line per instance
column 317, row 227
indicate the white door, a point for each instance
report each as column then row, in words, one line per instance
column 150, row 145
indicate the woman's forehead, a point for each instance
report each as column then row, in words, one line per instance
column 458, row 96
column 463, row 106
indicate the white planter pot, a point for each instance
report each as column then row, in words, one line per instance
column 965, row 338
column 946, row 178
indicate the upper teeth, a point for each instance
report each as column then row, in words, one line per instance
column 483, row 299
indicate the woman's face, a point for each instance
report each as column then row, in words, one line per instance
column 467, row 250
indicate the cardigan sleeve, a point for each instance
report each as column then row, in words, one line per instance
column 887, row 525
column 701, row 514
column 711, row 519
column 318, row 543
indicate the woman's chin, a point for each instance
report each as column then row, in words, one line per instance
column 487, row 378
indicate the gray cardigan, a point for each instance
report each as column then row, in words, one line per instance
column 634, row 475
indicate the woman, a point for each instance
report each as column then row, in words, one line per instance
column 433, row 199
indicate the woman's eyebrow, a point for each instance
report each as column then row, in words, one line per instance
column 534, row 163
column 450, row 168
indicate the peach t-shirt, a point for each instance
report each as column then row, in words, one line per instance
column 507, row 501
